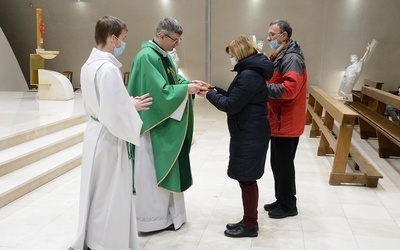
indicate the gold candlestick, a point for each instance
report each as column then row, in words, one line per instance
column 39, row 28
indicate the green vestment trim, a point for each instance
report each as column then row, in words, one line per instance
column 171, row 140
column 94, row 118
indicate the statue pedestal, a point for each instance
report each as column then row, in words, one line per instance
column 54, row 86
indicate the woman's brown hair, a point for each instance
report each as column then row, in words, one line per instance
column 241, row 47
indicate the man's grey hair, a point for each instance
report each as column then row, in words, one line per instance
column 283, row 25
column 169, row 26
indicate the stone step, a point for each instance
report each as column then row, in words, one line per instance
column 31, row 158
column 32, row 134
column 24, row 180
column 23, row 154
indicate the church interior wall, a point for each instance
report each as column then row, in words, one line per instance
column 328, row 31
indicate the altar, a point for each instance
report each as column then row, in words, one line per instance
column 51, row 85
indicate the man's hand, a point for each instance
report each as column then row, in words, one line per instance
column 142, row 102
column 203, row 84
column 195, row 88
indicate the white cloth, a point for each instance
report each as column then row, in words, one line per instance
column 156, row 208
column 178, row 113
column 107, row 217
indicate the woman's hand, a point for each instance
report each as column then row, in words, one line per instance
column 203, row 84
column 202, row 93
column 142, row 102
column 202, row 87
column 205, row 87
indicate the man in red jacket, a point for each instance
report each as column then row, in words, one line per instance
column 286, row 114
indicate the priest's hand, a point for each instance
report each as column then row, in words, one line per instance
column 203, row 84
column 195, row 88
column 205, row 87
column 142, row 102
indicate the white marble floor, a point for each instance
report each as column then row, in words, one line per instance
column 330, row 217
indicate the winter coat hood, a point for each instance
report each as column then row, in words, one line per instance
column 292, row 47
column 258, row 62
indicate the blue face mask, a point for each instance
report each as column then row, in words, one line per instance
column 120, row 50
column 274, row 43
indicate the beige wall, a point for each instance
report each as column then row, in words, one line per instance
column 12, row 78
column 328, row 31
column 69, row 28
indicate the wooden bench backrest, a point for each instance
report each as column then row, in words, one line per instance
column 381, row 96
column 357, row 93
column 333, row 106
column 374, row 84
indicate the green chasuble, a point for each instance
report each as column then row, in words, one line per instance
column 154, row 72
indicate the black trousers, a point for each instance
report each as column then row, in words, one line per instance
column 283, row 151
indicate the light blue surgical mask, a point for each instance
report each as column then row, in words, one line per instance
column 274, row 43
column 120, row 50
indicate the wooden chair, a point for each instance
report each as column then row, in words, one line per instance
column 126, row 78
column 68, row 74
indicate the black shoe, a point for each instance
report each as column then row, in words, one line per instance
column 231, row 226
column 271, row 206
column 170, row 228
column 279, row 213
column 242, row 231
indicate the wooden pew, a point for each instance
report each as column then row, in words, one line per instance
column 323, row 112
column 373, row 122
column 356, row 94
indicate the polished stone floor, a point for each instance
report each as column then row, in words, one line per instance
column 330, row 217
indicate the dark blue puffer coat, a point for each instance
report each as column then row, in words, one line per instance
column 245, row 105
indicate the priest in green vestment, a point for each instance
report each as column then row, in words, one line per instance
column 161, row 163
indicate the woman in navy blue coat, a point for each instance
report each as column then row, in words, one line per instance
column 245, row 105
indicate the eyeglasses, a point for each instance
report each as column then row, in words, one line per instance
column 177, row 40
column 271, row 35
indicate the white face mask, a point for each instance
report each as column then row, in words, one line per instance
column 233, row 61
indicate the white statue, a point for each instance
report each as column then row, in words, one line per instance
column 259, row 43
column 174, row 56
column 352, row 72
column 350, row 76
